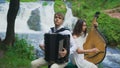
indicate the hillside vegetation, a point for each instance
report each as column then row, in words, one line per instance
column 109, row 26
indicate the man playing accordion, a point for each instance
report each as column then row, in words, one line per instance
column 58, row 21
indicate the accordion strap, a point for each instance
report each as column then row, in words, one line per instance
column 60, row 30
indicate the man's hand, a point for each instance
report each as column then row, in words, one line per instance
column 63, row 52
column 42, row 47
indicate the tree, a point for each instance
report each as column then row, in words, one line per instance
column 11, row 16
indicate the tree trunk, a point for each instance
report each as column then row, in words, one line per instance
column 11, row 16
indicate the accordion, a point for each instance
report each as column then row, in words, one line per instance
column 55, row 43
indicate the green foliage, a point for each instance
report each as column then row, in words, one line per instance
column 45, row 3
column 110, row 27
column 23, row 49
column 112, row 4
column 81, row 7
column 19, row 55
column 60, row 6
column 86, row 9
column 14, row 62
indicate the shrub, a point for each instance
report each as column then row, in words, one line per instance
column 22, row 49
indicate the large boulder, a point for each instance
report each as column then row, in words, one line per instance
column 34, row 20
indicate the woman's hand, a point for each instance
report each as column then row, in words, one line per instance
column 63, row 52
column 95, row 50
column 95, row 24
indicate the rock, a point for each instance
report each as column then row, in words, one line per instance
column 33, row 21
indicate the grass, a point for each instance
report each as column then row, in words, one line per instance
column 11, row 60
column 18, row 55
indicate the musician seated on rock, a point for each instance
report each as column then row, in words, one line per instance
column 79, row 35
column 58, row 22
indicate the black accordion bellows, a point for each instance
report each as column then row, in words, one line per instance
column 55, row 43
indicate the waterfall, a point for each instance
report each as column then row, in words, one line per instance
column 3, row 18
column 25, row 12
column 70, row 20
column 21, row 19
column 47, row 16
column 23, row 16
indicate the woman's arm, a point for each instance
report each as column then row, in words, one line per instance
column 79, row 51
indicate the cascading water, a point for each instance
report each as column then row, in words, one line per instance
column 21, row 19
column 46, row 17
column 3, row 13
